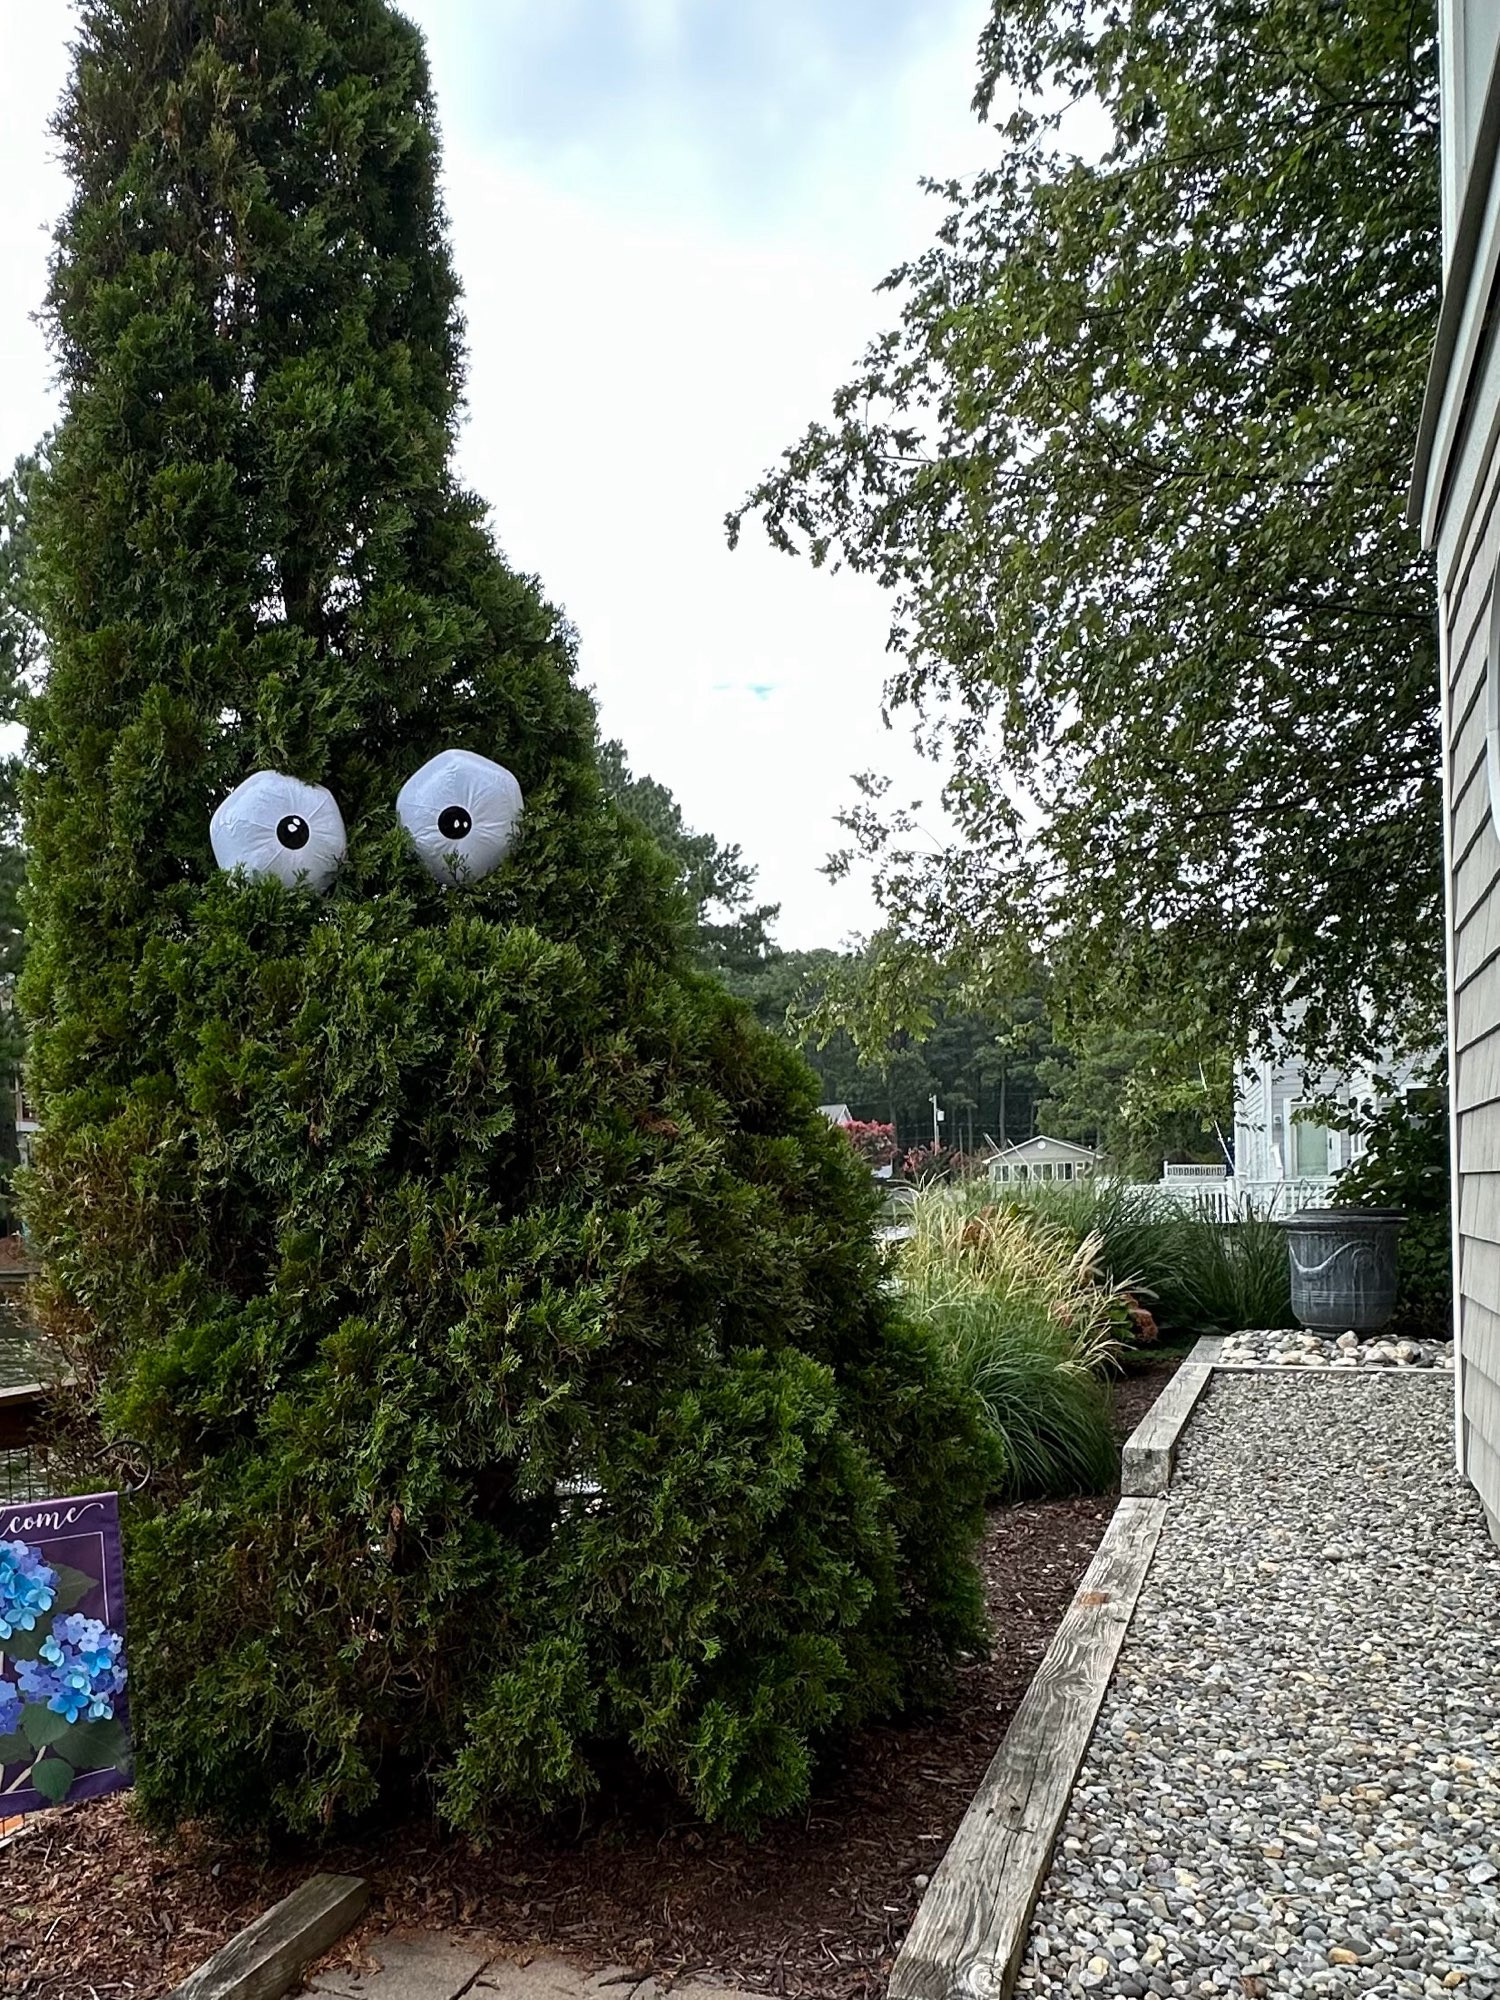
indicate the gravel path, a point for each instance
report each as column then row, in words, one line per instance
column 1294, row 1784
column 1283, row 1347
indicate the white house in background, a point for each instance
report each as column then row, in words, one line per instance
column 26, row 1127
column 1042, row 1159
column 1273, row 1145
column 837, row 1114
column 1455, row 498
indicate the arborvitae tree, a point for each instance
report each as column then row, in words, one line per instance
column 499, row 1319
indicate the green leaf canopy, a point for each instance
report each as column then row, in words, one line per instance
column 1132, row 465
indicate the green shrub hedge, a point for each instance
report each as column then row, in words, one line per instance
column 497, row 1313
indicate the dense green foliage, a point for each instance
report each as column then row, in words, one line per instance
column 887, row 1028
column 1407, row 1164
column 1132, row 466
column 1052, row 1417
column 499, row 1318
column 981, row 1063
column 1140, row 1093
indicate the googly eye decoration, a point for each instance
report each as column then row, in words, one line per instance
column 275, row 825
column 462, row 811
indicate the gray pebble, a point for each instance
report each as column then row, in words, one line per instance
column 1295, row 1780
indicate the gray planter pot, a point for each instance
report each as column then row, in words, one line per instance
column 1343, row 1267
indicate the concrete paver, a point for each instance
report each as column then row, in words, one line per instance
column 411, row 1968
column 545, row 1979
column 432, row 1965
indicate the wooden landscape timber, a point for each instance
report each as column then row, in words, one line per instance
column 1150, row 1453
column 969, row 1934
column 270, row 1956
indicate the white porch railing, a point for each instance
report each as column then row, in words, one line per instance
column 1226, row 1200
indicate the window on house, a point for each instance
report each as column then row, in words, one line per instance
column 1309, row 1149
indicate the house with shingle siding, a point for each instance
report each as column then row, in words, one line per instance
column 1456, row 502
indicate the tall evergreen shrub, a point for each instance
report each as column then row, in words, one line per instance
column 497, row 1314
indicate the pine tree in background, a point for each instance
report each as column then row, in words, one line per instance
column 733, row 934
column 499, row 1317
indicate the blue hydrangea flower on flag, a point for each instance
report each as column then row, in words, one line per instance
column 28, row 1588
column 79, row 1672
column 64, row 1703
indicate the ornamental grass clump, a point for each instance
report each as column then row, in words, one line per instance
column 1196, row 1274
column 1027, row 1319
column 499, row 1319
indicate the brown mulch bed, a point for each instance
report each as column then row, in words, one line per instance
column 93, row 1908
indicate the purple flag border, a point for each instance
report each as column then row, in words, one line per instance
column 82, row 1532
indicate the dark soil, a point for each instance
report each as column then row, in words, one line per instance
column 92, row 1906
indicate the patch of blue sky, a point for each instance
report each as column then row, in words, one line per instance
column 698, row 104
column 758, row 690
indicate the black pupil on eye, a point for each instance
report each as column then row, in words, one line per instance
column 292, row 831
column 454, row 822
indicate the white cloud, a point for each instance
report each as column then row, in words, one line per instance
column 632, row 376
column 639, row 354
column 33, row 60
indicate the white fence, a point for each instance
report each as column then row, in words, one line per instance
column 1227, row 1200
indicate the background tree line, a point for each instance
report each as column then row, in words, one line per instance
column 1000, row 1065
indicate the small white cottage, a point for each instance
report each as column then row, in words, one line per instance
column 1042, row 1159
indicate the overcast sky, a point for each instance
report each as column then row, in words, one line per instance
column 669, row 217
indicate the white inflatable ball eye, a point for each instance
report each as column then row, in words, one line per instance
column 275, row 825
column 461, row 811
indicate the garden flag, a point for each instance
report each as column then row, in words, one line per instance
column 64, row 1725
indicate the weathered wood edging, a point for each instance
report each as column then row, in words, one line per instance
column 1150, row 1454
column 970, row 1931
column 269, row 1956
